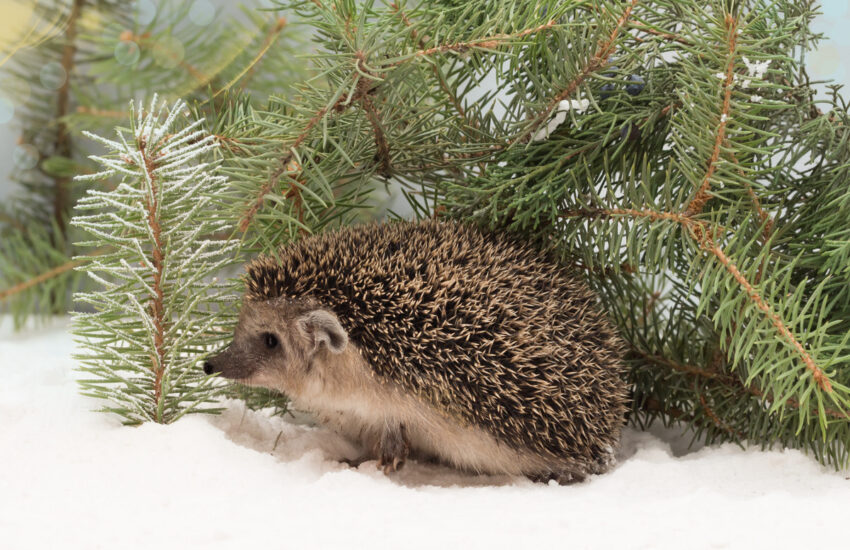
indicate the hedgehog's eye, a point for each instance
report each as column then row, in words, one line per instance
column 270, row 340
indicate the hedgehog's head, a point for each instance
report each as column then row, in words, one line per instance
column 277, row 341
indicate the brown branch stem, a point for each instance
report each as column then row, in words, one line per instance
column 157, row 303
column 705, row 234
column 62, row 195
column 709, row 412
column 702, row 196
column 486, row 42
column 271, row 36
column 12, row 222
column 666, row 35
column 49, row 274
column 596, row 62
column 364, row 88
column 680, row 367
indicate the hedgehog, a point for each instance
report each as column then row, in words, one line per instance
column 436, row 340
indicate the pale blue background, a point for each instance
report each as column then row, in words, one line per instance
column 829, row 62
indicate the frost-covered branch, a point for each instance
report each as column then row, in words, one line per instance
column 160, row 305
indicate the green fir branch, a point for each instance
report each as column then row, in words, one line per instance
column 160, row 308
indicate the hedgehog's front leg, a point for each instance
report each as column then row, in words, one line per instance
column 393, row 448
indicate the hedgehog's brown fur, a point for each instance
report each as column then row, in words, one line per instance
column 479, row 325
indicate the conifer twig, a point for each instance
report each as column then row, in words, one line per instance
column 488, row 42
column 702, row 196
column 727, row 379
column 716, row 419
column 62, row 195
column 283, row 165
column 249, row 71
column 704, row 234
column 144, row 39
column 156, row 304
column 362, row 95
column 154, row 315
column 680, row 367
column 455, row 101
column 818, row 375
column 666, row 35
column 50, row 274
column 598, row 60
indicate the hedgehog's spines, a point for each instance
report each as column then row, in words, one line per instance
column 482, row 326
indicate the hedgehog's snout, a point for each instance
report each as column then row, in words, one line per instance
column 218, row 363
column 209, row 368
column 230, row 363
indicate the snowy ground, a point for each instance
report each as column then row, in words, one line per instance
column 70, row 478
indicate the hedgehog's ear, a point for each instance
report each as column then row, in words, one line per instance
column 323, row 326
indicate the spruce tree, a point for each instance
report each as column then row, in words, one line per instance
column 672, row 151
column 158, row 303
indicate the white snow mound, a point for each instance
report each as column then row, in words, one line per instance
column 71, row 478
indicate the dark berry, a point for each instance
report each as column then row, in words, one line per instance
column 608, row 89
column 637, row 84
column 629, row 131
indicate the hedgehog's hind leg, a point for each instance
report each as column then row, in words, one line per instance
column 393, row 448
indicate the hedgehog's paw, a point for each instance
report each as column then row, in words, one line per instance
column 563, row 477
column 392, row 449
column 354, row 462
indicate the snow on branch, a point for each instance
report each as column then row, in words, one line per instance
column 159, row 302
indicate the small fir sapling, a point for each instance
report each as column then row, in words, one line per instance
column 159, row 307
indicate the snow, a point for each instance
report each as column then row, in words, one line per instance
column 72, row 478
column 756, row 69
column 577, row 105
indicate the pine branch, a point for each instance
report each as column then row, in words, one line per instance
column 146, row 41
column 702, row 196
column 35, row 272
column 156, row 315
column 705, row 235
column 47, row 275
column 781, row 327
column 284, row 164
column 665, row 35
column 157, row 253
column 245, row 75
column 489, row 42
column 597, row 61
column 61, row 201
column 362, row 91
column 727, row 379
